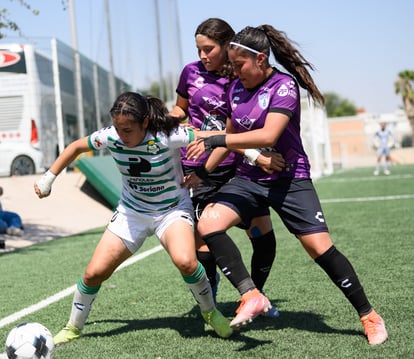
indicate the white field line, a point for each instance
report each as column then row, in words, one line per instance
column 367, row 199
column 68, row 291
column 361, row 179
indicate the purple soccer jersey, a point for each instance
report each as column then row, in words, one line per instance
column 207, row 103
column 248, row 111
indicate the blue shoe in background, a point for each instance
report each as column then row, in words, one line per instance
column 272, row 312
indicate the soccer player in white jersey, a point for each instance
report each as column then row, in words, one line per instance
column 145, row 143
column 383, row 142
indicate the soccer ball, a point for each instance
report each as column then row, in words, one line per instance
column 30, row 341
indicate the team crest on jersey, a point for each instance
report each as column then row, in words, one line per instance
column 263, row 100
column 152, row 147
column 199, row 82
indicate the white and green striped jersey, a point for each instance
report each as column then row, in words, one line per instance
column 151, row 172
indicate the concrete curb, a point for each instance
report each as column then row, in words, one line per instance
column 73, row 207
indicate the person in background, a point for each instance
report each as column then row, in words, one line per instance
column 265, row 112
column 201, row 97
column 10, row 222
column 144, row 142
column 384, row 141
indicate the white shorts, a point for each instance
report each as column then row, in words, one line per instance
column 133, row 227
column 383, row 151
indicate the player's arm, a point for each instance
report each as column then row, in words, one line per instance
column 375, row 141
column 180, row 108
column 43, row 186
column 268, row 161
column 216, row 156
column 266, row 136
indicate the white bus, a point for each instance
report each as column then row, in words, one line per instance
column 38, row 107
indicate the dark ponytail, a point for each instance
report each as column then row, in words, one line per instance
column 159, row 119
column 140, row 107
column 266, row 37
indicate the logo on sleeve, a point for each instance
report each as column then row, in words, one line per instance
column 97, row 142
column 288, row 89
column 283, row 91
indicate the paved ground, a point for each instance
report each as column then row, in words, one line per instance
column 73, row 207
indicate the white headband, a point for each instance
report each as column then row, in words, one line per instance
column 245, row 47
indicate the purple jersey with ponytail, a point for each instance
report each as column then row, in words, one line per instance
column 206, row 93
column 248, row 111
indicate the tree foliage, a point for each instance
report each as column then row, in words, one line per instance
column 338, row 107
column 6, row 23
column 404, row 87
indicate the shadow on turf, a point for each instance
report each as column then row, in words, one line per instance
column 191, row 325
column 38, row 234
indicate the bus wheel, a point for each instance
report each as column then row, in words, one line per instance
column 22, row 165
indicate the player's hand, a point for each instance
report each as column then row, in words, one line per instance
column 40, row 193
column 43, row 186
column 270, row 161
column 195, row 149
column 192, row 181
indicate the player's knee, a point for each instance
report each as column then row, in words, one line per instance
column 93, row 278
column 209, row 222
column 186, row 265
column 203, row 228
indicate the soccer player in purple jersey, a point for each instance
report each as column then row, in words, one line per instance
column 202, row 97
column 264, row 108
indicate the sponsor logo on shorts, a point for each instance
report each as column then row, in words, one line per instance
column 319, row 217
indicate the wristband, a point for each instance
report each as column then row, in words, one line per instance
column 251, row 155
column 45, row 183
column 212, row 142
column 202, row 172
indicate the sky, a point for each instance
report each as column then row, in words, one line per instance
column 357, row 47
